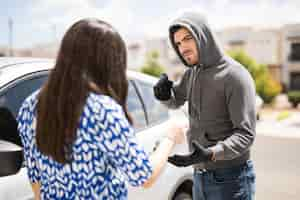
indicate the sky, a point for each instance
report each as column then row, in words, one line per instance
column 45, row 21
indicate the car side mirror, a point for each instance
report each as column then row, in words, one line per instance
column 11, row 158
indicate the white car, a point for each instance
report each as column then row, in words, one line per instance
column 19, row 77
column 258, row 106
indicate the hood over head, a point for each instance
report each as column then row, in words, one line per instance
column 209, row 52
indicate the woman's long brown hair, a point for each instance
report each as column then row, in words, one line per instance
column 91, row 51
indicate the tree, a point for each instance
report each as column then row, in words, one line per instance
column 266, row 86
column 255, row 69
column 152, row 66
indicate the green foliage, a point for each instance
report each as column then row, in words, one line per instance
column 266, row 86
column 152, row 66
column 294, row 97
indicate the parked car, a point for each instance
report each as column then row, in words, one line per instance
column 19, row 77
column 258, row 106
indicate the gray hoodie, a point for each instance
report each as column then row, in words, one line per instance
column 221, row 98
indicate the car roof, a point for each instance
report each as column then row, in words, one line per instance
column 8, row 61
column 12, row 68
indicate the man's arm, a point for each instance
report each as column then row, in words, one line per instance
column 240, row 97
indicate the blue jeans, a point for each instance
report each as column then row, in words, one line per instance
column 236, row 183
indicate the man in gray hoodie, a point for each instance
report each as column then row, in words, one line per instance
column 221, row 100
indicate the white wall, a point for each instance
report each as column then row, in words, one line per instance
column 264, row 47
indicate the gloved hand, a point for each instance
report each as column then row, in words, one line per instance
column 162, row 89
column 200, row 154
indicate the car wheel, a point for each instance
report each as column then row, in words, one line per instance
column 183, row 196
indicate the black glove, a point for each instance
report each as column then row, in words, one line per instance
column 162, row 89
column 200, row 154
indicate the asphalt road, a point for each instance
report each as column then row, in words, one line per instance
column 277, row 165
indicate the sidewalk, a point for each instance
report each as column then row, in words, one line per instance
column 279, row 122
column 271, row 113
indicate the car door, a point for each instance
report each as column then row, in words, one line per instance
column 147, row 113
column 136, row 108
column 157, row 121
column 11, row 97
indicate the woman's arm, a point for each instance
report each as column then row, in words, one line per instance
column 159, row 158
column 36, row 190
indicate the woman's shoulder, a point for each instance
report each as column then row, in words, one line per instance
column 30, row 101
column 100, row 102
column 105, row 108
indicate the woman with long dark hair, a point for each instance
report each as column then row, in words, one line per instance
column 76, row 130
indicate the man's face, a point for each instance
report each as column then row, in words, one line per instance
column 186, row 45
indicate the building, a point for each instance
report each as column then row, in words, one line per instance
column 290, row 53
column 264, row 45
column 137, row 52
column 235, row 38
column 39, row 51
column 160, row 45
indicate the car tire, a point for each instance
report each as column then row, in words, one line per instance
column 183, row 196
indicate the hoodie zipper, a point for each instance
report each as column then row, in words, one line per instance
column 199, row 76
column 196, row 75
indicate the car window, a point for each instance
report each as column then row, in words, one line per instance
column 15, row 95
column 156, row 112
column 10, row 102
column 8, row 127
column 135, row 108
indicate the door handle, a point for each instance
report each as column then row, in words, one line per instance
column 156, row 145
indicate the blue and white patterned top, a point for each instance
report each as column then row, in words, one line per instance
column 105, row 154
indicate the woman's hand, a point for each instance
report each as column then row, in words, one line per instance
column 175, row 135
column 177, row 131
